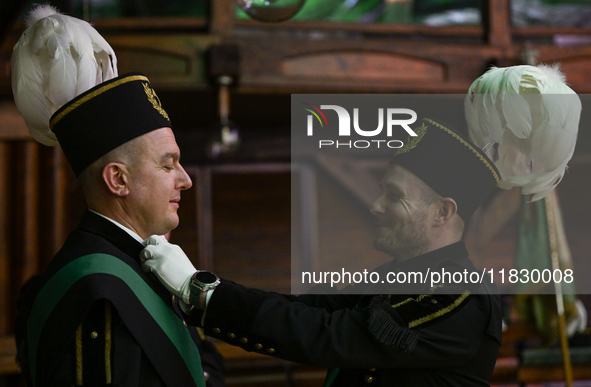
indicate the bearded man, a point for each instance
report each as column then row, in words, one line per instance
column 393, row 335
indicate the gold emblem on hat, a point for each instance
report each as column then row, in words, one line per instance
column 412, row 142
column 154, row 100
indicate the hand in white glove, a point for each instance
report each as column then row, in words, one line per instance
column 170, row 264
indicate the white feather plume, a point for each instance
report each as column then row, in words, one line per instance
column 532, row 118
column 57, row 58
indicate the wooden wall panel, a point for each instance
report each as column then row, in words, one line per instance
column 170, row 61
column 274, row 62
column 25, row 211
column 53, row 196
column 364, row 65
column 251, row 228
column 5, row 294
column 236, row 221
column 35, row 192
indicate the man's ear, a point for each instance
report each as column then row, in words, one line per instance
column 445, row 211
column 116, row 178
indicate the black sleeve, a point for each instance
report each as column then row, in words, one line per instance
column 449, row 332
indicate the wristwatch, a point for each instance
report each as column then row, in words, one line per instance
column 202, row 281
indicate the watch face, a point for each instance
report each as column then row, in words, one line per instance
column 206, row 277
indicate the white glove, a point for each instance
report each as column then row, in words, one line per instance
column 170, row 264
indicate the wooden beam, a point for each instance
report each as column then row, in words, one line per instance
column 53, row 210
column 25, row 204
column 5, row 294
column 204, row 217
column 222, row 17
column 499, row 23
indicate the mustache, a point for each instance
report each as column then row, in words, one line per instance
column 384, row 223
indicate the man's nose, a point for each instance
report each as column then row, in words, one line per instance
column 185, row 179
column 376, row 207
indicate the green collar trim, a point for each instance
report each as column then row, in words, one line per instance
column 57, row 286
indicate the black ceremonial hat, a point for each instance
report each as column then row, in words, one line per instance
column 106, row 116
column 450, row 164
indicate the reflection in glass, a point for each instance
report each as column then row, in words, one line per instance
column 552, row 13
column 429, row 12
column 271, row 11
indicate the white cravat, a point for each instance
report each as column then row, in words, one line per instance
column 139, row 239
column 127, row 230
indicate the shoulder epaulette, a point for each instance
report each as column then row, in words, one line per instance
column 384, row 328
column 428, row 308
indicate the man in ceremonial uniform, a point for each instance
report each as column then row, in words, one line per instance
column 423, row 335
column 94, row 317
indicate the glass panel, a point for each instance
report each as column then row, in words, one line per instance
column 99, row 9
column 427, row 12
column 551, row 13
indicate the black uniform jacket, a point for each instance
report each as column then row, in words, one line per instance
column 99, row 333
column 423, row 339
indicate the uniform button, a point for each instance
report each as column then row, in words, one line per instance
column 372, row 370
column 231, row 335
column 368, row 379
column 184, row 322
column 258, row 346
column 243, row 340
column 93, row 335
column 270, row 350
column 216, row 330
column 206, row 375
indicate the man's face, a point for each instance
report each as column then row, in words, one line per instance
column 155, row 185
column 401, row 214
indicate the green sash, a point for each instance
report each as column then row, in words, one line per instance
column 57, row 286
